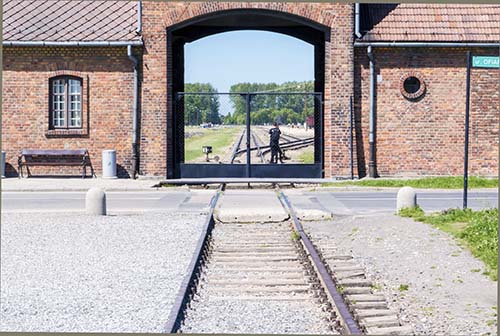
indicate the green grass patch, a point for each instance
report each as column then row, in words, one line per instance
column 307, row 157
column 295, row 236
column 442, row 182
column 218, row 138
column 478, row 230
column 403, row 287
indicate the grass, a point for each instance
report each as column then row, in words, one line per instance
column 218, row 138
column 403, row 287
column 478, row 230
column 307, row 157
column 442, row 182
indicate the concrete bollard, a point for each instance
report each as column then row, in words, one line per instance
column 407, row 198
column 95, row 202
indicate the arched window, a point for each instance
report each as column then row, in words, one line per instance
column 65, row 102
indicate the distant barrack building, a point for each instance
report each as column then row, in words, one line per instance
column 103, row 75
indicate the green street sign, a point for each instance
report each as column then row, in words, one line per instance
column 486, row 62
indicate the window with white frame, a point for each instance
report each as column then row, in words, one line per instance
column 65, row 102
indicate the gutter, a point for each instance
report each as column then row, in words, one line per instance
column 71, row 44
column 135, row 151
column 372, row 163
column 357, row 32
column 427, row 44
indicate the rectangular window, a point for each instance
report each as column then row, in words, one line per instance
column 66, row 107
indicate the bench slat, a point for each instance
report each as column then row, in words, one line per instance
column 53, row 152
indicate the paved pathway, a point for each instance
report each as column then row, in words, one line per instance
column 384, row 201
column 117, row 201
column 75, row 184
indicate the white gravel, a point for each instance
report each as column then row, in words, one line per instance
column 255, row 317
column 447, row 292
column 247, row 308
column 78, row 273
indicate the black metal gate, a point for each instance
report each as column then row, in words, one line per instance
column 227, row 134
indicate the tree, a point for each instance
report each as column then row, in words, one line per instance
column 199, row 109
column 269, row 108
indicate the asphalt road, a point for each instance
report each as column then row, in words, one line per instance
column 198, row 200
column 385, row 201
column 115, row 201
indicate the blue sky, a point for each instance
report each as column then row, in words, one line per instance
column 248, row 56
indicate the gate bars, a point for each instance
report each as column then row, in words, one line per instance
column 248, row 109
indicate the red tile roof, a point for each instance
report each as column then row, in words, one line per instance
column 91, row 20
column 431, row 22
column 78, row 21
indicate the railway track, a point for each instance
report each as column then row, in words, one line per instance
column 270, row 278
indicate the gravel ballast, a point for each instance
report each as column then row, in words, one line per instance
column 255, row 282
column 433, row 283
column 78, row 273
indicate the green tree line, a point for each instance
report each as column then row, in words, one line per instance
column 201, row 109
column 265, row 109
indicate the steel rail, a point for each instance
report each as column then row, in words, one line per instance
column 281, row 144
column 191, row 279
column 291, row 137
column 237, row 146
column 259, row 150
column 282, row 135
column 295, row 145
column 347, row 321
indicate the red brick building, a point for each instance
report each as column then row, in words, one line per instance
column 102, row 74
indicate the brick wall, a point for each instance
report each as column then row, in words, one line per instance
column 425, row 137
column 422, row 137
column 158, row 16
column 107, row 94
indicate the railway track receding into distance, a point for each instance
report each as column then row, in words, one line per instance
column 269, row 277
column 261, row 278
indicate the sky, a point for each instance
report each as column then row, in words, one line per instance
column 248, row 56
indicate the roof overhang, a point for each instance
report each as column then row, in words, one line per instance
column 71, row 43
column 428, row 44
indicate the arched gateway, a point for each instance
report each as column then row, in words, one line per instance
column 173, row 26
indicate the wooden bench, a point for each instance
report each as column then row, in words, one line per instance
column 54, row 157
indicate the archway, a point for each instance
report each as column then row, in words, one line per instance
column 233, row 20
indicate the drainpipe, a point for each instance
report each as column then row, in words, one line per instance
column 135, row 152
column 372, row 163
column 139, row 17
column 356, row 20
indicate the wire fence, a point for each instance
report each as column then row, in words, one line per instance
column 213, row 125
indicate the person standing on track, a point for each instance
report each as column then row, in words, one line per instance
column 275, row 142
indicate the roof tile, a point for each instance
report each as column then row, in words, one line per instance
column 69, row 20
column 431, row 23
